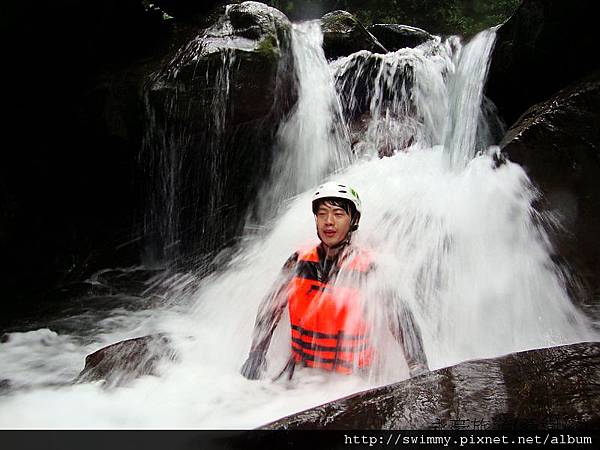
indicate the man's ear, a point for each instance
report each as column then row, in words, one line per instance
column 355, row 220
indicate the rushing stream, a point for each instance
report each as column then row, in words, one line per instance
column 455, row 236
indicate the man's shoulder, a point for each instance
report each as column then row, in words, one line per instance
column 291, row 261
column 309, row 252
column 305, row 253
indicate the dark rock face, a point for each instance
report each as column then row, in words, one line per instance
column 542, row 48
column 124, row 361
column 343, row 35
column 213, row 110
column 557, row 142
column 535, row 389
column 394, row 37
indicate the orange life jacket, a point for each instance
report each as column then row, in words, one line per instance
column 328, row 326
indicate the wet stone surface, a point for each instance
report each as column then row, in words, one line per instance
column 534, row 389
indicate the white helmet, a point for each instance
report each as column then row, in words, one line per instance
column 333, row 189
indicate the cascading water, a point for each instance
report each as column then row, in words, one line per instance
column 313, row 142
column 212, row 111
column 462, row 248
column 170, row 149
column 467, row 128
column 395, row 100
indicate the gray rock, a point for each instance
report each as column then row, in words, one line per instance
column 394, row 37
column 343, row 35
column 538, row 389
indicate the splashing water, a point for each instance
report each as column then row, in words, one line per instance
column 463, row 249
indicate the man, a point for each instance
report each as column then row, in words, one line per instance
column 322, row 288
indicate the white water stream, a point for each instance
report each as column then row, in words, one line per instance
column 462, row 247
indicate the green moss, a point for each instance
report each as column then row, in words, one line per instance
column 269, row 47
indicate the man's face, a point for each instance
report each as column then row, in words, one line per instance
column 333, row 224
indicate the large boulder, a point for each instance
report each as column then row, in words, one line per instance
column 213, row 110
column 556, row 141
column 253, row 39
column 541, row 49
column 394, row 37
column 343, row 35
column 538, row 389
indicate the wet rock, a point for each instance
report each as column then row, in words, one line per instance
column 250, row 37
column 558, row 144
column 124, row 361
column 343, row 35
column 394, row 37
column 538, row 389
column 542, row 48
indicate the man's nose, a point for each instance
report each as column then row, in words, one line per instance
column 329, row 219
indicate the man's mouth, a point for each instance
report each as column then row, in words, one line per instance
column 329, row 233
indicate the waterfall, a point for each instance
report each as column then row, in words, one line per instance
column 459, row 243
column 467, row 122
column 170, row 149
column 212, row 111
column 313, row 142
column 396, row 100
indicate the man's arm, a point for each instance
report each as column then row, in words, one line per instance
column 267, row 318
column 407, row 333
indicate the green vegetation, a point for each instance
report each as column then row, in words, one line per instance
column 464, row 17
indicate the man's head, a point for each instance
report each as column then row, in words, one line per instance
column 337, row 210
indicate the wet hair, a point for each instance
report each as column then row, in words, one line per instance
column 346, row 205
